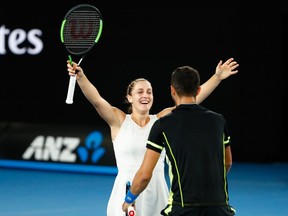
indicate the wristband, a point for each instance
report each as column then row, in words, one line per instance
column 130, row 198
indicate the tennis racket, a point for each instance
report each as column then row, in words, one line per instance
column 80, row 30
column 131, row 211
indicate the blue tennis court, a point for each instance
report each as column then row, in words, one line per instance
column 255, row 189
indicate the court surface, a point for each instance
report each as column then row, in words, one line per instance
column 255, row 190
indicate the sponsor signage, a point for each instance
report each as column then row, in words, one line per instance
column 19, row 41
column 57, row 147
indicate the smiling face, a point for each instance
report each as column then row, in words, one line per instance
column 141, row 96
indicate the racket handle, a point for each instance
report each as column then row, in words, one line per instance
column 71, row 88
column 131, row 211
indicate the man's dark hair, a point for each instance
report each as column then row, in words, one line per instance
column 186, row 81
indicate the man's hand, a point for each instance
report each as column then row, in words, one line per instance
column 129, row 209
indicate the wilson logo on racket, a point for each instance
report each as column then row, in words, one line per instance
column 81, row 29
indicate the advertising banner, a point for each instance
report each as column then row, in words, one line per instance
column 56, row 147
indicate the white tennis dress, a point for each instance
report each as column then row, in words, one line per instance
column 129, row 148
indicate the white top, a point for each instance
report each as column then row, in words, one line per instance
column 129, row 149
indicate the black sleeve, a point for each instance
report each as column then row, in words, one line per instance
column 155, row 138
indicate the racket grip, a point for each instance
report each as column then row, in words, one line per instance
column 71, row 88
column 131, row 211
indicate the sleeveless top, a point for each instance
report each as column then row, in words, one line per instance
column 129, row 149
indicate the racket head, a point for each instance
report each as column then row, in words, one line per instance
column 81, row 29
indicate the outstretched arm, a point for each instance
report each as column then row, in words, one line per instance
column 112, row 115
column 223, row 71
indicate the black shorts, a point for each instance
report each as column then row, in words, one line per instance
column 176, row 210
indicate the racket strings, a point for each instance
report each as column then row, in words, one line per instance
column 81, row 31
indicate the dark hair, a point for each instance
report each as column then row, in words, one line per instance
column 129, row 92
column 186, row 81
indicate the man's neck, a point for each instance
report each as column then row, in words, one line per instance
column 186, row 100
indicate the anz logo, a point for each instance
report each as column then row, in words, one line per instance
column 66, row 149
column 93, row 145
